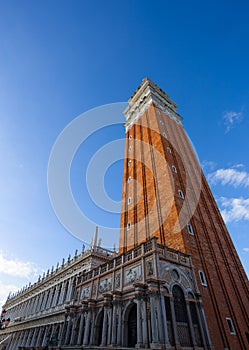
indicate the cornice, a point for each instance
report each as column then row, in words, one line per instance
column 71, row 268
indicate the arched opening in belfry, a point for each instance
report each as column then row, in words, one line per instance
column 132, row 326
column 181, row 317
column 99, row 328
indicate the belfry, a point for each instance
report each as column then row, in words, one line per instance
column 176, row 281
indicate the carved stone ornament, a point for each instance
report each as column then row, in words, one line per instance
column 105, row 285
column 117, row 281
column 175, row 275
column 133, row 274
column 149, row 268
column 85, row 293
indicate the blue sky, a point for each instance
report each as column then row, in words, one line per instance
column 59, row 59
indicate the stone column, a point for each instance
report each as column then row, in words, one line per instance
column 104, row 330
column 69, row 291
column 203, row 325
column 59, row 333
column 38, row 306
column 139, row 326
column 27, row 307
column 74, row 323
column 55, row 298
column 91, row 342
column 164, row 318
column 160, row 319
column 154, row 329
column 26, row 337
column 22, row 311
column 19, row 340
column 23, row 343
column 109, row 324
column 69, row 322
column 114, row 323
column 61, row 298
column 29, row 337
column 50, row 296
column 33, row 310
column 48, row 302
column 11, row 342
column 79, row 339
column 34, row 337
column 37, row 343
column 174, row 325
column 16, row 341
column 44, row 300
column 144, row 323
column 87, row 328
column 120, row 323
column 41, row 302
column 191, row 327
column 45, row 340
column 61, row 337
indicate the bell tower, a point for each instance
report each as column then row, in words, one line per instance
column 154, row 182
column 166, row 195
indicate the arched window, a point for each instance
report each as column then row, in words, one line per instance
column 230, row 325
column 181, row 194
column 174, row 169
column 190, row 229
column 203, row 278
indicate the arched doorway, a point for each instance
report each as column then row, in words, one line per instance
column 132, row 326
column 181, row 317
column 99, row 328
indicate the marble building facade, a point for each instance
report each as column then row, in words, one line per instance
column 144, row 298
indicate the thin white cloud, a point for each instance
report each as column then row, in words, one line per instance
column 238, row 166
column 231, row 118
column 4, row 291
column 208, row 165
column 16, row 267
column 246, row 250
column 229, row 176
column 234, row 209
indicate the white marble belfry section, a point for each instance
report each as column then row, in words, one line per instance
column 144, row 96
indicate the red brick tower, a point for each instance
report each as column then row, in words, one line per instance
column 166, row 195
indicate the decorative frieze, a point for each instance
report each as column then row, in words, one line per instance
column 133, row 274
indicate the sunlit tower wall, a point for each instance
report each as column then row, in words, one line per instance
column 165, row 194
